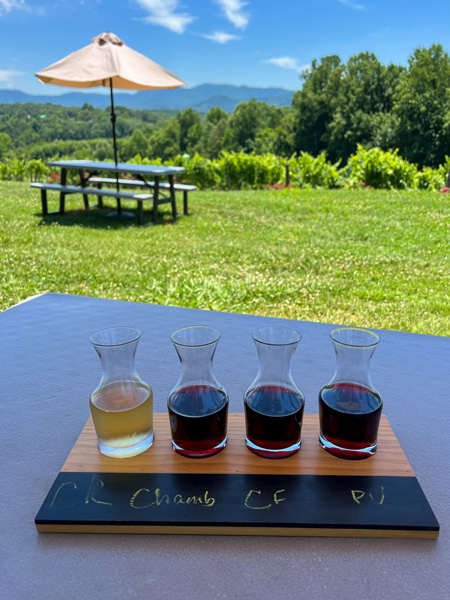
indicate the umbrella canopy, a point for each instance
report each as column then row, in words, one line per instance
column 108, row 62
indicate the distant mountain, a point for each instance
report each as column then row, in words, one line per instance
column 200, row 98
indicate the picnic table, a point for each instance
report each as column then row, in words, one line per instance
column 157, row 184
column 48, row 370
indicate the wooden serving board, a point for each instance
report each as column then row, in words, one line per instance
column 235, row 492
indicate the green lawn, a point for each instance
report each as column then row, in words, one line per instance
column 368, row 258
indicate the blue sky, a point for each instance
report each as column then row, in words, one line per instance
column 261, row 43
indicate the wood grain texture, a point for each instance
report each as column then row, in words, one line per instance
column 389, row 460
column 217, row 530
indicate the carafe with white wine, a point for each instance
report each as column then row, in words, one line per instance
column 122, row 404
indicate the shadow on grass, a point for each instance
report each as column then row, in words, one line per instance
column 103, row 218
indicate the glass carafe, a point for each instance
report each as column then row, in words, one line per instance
column 273, row 403
column 198, row 404
column 122, row 404
column 349, row 406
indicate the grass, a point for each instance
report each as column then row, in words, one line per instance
column 358, row 257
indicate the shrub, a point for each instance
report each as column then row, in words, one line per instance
column 372, row 168
column 310, row 171
column 144, row 160
column 200, row 171
column 430, row 179
column 16, row 169
column 237, row 170
column 444, row 171
column 36, row 170
column 5, row 172
column 379, row 169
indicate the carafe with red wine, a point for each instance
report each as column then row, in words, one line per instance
column 273, row 403
column 198, row 404
column 349, row 406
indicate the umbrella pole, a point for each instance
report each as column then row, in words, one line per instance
column 113, row 121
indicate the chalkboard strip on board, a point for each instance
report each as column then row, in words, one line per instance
column 255, row 504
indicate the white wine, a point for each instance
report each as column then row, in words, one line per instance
column 123, row 418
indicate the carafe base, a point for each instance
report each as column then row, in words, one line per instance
column 347, row 453
column 269, row 453
column 199, row 454
column 127, row 452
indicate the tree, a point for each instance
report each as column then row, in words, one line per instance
column 103, row 150
column 342, row 105
column 365, row 91
column 214, row 127
column 264, row 142
column 216, row 114
column 194, row 141
column 422, row 106
column 283, row 141
column 165, row 143
column 186, row 120
column 248, row 120
column 313, row 106
column 137, row 144
column 5, row 143
column 216, row 137
column 228, row 143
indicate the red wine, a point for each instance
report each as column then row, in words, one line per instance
column 273, row 418
column 205, row 433
column 349, row 419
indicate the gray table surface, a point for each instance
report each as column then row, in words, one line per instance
column 92, row 165
column 47, row 371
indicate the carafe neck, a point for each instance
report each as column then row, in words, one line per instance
column 354, row 349
column 116, row 348
column 197, row 366
column 118, row 363
column 353, row 365
column 275, row 366
column 196, row 346
column 275, row 347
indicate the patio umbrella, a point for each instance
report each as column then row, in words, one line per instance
column 108, row 62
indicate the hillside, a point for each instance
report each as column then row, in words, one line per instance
column 201, row 97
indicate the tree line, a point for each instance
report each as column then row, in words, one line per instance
column 340, row 105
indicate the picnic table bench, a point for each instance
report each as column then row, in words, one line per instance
column 178, row 187
column 86, row 192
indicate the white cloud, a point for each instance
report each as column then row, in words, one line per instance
column 233, row 10
column 286, row 62
column 7, row 5
column 352, row 4
column 220, row 37
column 8, row 76
column 163, row 12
